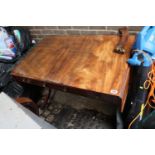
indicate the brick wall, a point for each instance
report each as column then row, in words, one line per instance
column 39, row 32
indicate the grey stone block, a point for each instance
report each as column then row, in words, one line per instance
column 106, row 32
column 131, row 28
column 50, row 118
column 64, row 27
column 50, row 107
column 113, row 27
column 59, row 32
column 73, row 32
column 97, row 27
column 39, row 27
column 51, row 27
column 46, row 113
column 48, row 32
column 80, row 27
column 88, row 32
column 135, row 28
column 35, row 31
column 56, row 111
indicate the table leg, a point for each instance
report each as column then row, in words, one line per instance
column 48, row 97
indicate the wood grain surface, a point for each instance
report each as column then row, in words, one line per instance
column 86, row 63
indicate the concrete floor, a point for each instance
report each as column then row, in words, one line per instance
column 15, row 116
column 68, row 110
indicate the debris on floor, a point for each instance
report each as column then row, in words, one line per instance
column 65, row 116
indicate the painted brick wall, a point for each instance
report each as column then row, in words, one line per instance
column 39, row 32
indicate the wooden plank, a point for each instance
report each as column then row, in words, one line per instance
column 81, row 62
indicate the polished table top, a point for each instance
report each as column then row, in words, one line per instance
column 86, row 63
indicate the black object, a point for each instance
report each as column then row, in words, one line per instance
column 22, row 46
column 25, row 42
column 5, row 74
column 148, row 121
column 119, row 120
column 138, row 93
column 13, row 89
column 7, row 84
